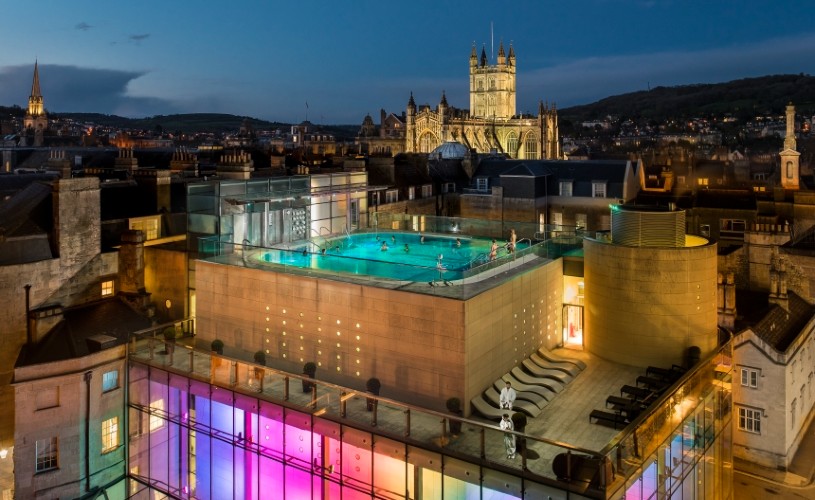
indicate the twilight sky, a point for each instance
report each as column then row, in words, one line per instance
column 267, row 59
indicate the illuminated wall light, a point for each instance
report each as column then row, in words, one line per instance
column 284, row 322
column 357, row 374
column 301, row 360
column 338, row 344
column 267, row 329
column 319, row 329
column 319, row 363
column 267, row 308
column 284, row 333
column 319, row 318
column 284, row 344
column 357, row 361
column 338, row 369
column 357, row 349
column 301, row 314
column 357, row 337
column 267, row 351
column 319, row 341
column 267, row 341
column 338, row 356
column 357, row 325
column 338, row 333
column 301, row 337
column 301, row 348
column 319, row 353
column 284, row 311
column 338, row 322
column 284, row 355
column 267, row 319
column 301, row 325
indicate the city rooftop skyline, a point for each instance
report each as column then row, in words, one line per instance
column 310, row 60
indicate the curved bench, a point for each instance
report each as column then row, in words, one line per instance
column 530, row 409
column 537, row 371
column 552, row 366
column 486, row 410
column 537, row 389
column 532, row 397
column 569, row 368
column 550, row 383
column 554, row 358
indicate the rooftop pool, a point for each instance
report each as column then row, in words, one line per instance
column 403, row 256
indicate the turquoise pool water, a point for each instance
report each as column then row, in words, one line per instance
column 405, row 256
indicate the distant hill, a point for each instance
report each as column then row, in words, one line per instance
column 743, row 99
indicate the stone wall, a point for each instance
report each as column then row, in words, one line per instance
column 423, row 348
column 646, row 306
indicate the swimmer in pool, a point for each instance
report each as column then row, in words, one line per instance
column 384, row 246
column 407, row 248
column 458, row 242
column 421, row 240
column 393, row 239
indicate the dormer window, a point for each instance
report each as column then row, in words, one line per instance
column 482, row 183
column 598, row 189
column 566, row 188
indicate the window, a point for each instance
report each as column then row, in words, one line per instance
column 149, row 226
column 481, row 183
column 580, row 220
column 391, row 196
column 565, row 188
column 702, row 181
column 110, row 380
column 557, row 219
column 531, row 147
column 375, row 199
column 427, row 191
column 750, row 420
column 156, row 412
column 680, row 179
column 732, row 228
column 512, row 144
column 448, row 187
column 110, row 434
column 47, row 454
column 598, row 189
column 749, row 377
column 411, row 193
column 107, row 288
column 704, row 230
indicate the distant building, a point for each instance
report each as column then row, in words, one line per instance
column 35, row 122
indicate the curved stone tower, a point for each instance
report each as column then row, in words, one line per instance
column 650, row 291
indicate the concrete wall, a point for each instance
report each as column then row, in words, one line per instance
column 37, row 418
column 423, row 348
column 646, row 306
column 165, row 277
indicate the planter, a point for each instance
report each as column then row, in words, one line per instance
column 310, row 371
column 372, row 386
column 454, row 407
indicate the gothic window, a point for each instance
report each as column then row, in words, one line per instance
column 426, row 143
column 492, row 83
column 480, row 85
column 512, row 144
column 531, row 147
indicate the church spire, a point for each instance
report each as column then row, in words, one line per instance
column 35, row 85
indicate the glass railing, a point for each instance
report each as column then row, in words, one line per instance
column 683, row 423
column 538, row 459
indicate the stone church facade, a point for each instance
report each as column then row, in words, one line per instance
column 492, row 122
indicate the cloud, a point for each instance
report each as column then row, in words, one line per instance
column 137, row 39
column 590, row 79
column 76, row 89
column 83, row 26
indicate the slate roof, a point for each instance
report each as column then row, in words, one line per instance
column 28, row 212
column 732, row 199
column 68, row 338
column 780, row 327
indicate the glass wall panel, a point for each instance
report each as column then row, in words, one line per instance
column 390, row 473
column 357, row 459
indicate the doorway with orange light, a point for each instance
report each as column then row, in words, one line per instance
column 573, row 312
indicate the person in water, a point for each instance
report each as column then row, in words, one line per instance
column 458, row 242
column 407, row 248
column 384, row 246
column 494, row 250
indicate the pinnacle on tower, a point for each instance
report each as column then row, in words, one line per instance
column 35, row 84
column 483, row 56
column 411, row 102
column 443, row 99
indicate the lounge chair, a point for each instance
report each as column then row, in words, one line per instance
column 537, row 389
column 532, row 397
column 486, row 410
column 555, row 366
column 570, row 368
column 607, row 417
column 526, row 378
column 537, row 371
column 555, row 358
column 530, row 409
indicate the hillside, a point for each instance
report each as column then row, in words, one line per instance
column 743, row 99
